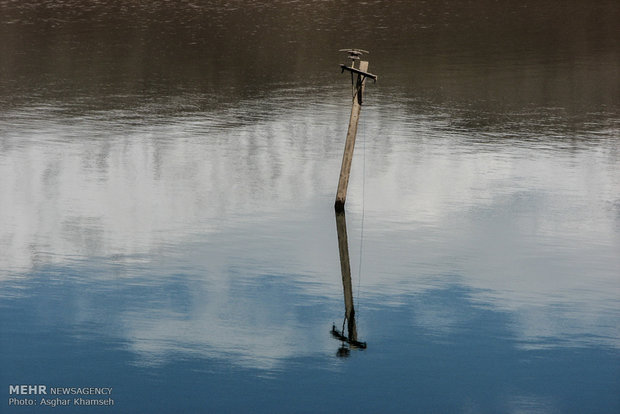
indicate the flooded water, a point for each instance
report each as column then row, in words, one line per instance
column 167, row 234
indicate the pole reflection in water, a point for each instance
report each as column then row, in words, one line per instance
column 350, row 340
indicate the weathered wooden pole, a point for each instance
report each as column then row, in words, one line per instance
column 347, row 157
column 349, row 146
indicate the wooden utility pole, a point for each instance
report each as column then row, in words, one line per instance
column 358, row 94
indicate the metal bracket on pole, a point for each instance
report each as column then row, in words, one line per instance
column 355, row 55
column 361, row 77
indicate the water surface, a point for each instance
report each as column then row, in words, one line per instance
column 167, row 179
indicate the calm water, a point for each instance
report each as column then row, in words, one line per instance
column 167, row 178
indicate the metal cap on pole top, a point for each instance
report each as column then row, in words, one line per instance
column 355, row 55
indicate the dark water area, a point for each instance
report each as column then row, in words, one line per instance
column 167, row 178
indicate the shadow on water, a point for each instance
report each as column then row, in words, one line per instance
column 350, row 340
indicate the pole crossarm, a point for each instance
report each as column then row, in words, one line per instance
column 344, row 67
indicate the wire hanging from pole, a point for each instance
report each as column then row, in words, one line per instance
column 359, row 267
